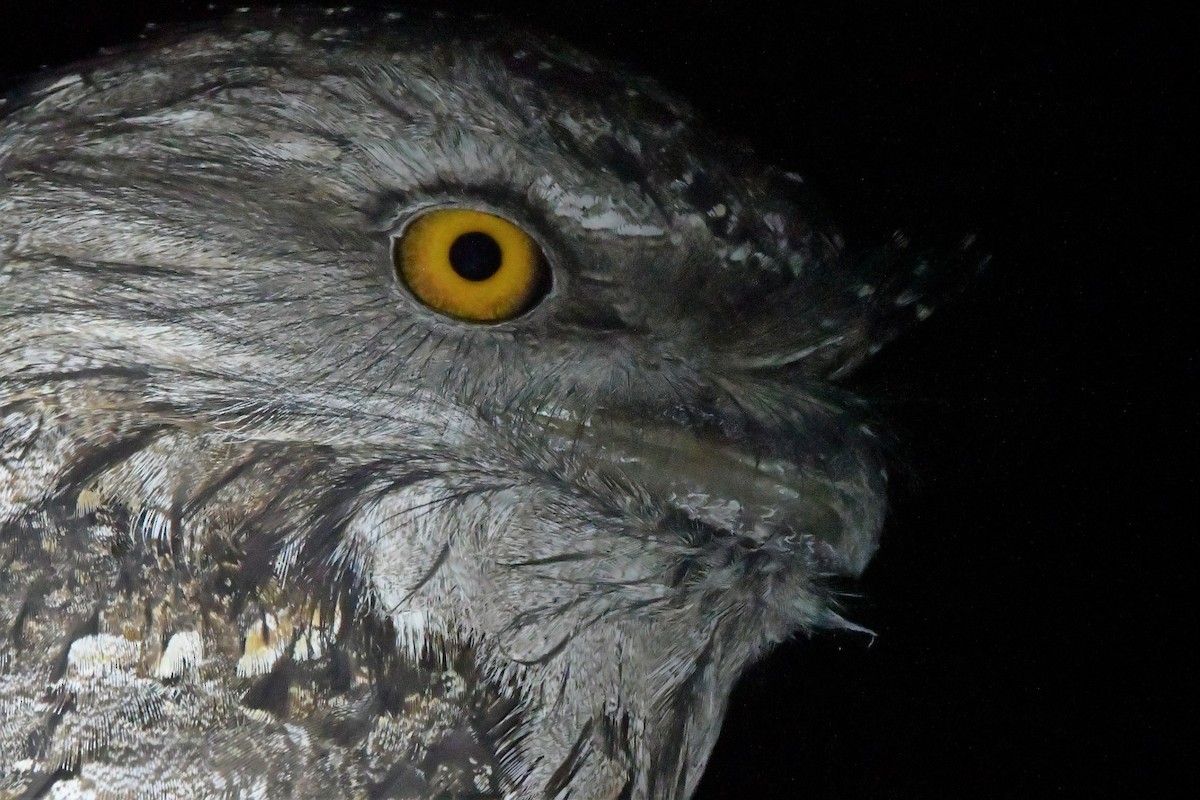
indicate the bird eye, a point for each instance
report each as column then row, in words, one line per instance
column 471, row 265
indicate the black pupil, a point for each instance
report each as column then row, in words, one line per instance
column 475, row 256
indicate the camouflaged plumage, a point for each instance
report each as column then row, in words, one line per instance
column 273, row 528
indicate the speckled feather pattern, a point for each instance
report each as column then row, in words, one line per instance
column 272, row 528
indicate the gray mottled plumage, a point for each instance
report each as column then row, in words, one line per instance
column 273, row 528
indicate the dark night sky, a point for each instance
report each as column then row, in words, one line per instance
column 1028, row 595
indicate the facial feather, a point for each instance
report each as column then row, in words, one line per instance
column 325, row 539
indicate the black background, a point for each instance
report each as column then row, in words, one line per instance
column 1029, row 597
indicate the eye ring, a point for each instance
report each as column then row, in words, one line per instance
column 470, row 265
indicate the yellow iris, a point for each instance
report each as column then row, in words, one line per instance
column 470, row 264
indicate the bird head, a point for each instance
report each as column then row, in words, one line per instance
column 485, row 346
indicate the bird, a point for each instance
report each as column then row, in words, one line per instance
column 398, row 409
